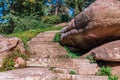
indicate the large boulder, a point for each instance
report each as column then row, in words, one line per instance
column 96, row 25
column 106, row 52
column 8, row 45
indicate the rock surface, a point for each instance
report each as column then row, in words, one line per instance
column 50, row 61
column 107, row 52
column 19, row 62
column 96, row 25
column 8, row 45
column 116, row 71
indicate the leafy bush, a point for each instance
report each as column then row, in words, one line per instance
column 113, row 78
column 51, row 19
column 106, row 71
column 18, row 24
column 27, row 7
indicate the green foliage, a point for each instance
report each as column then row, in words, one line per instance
column 18, row 24
column 72, row 54
column 77, row 4
column 51, row 19
column 27, row 35
column 91, row 58
column 106, row 71
column 57, row 37
column 72, row 72
column 8, row 61
column 27, row 7
column 51, row 68
column 113, row 78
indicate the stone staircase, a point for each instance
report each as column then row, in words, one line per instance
column 50, row 61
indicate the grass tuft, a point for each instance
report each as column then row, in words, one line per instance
column 72, row 72
column 106, row 71
column 57, row 37
column 8, row 61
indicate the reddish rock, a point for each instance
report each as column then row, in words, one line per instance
column 107, row 52
column 96, row 25
column 8, row 45
column 88, row 77
column 19, row 62
column 62, row 24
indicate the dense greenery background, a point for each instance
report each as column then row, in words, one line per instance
column 32, row 14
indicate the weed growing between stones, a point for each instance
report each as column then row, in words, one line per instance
column 72, row 72
column 51, row 68
column 63, row 56
column 54, row 70
column 9, row 61
column 57, row 37
column 91, row 58
column 106, row 71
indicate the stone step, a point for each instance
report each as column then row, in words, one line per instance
column 43, row 39
column 45, row 50
column 78, row 60
column 65, row 65
column 48, row 33
column 88, row 77
column 51, row 62
column 76, row 70
column 24, row 74
column 44, row 74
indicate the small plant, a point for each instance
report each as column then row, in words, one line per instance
column 8, row 61
column 113, row 78
column 63, row 56
column 57, row 71
column 72, row 54
column 51, row 68
column 106, row 71
column 57, row 37
column 72, row 72
column 91, row 58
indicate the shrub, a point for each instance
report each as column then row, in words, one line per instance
column 106, row 71
column 18, row 24
column 51, row 19
column 113, row 78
